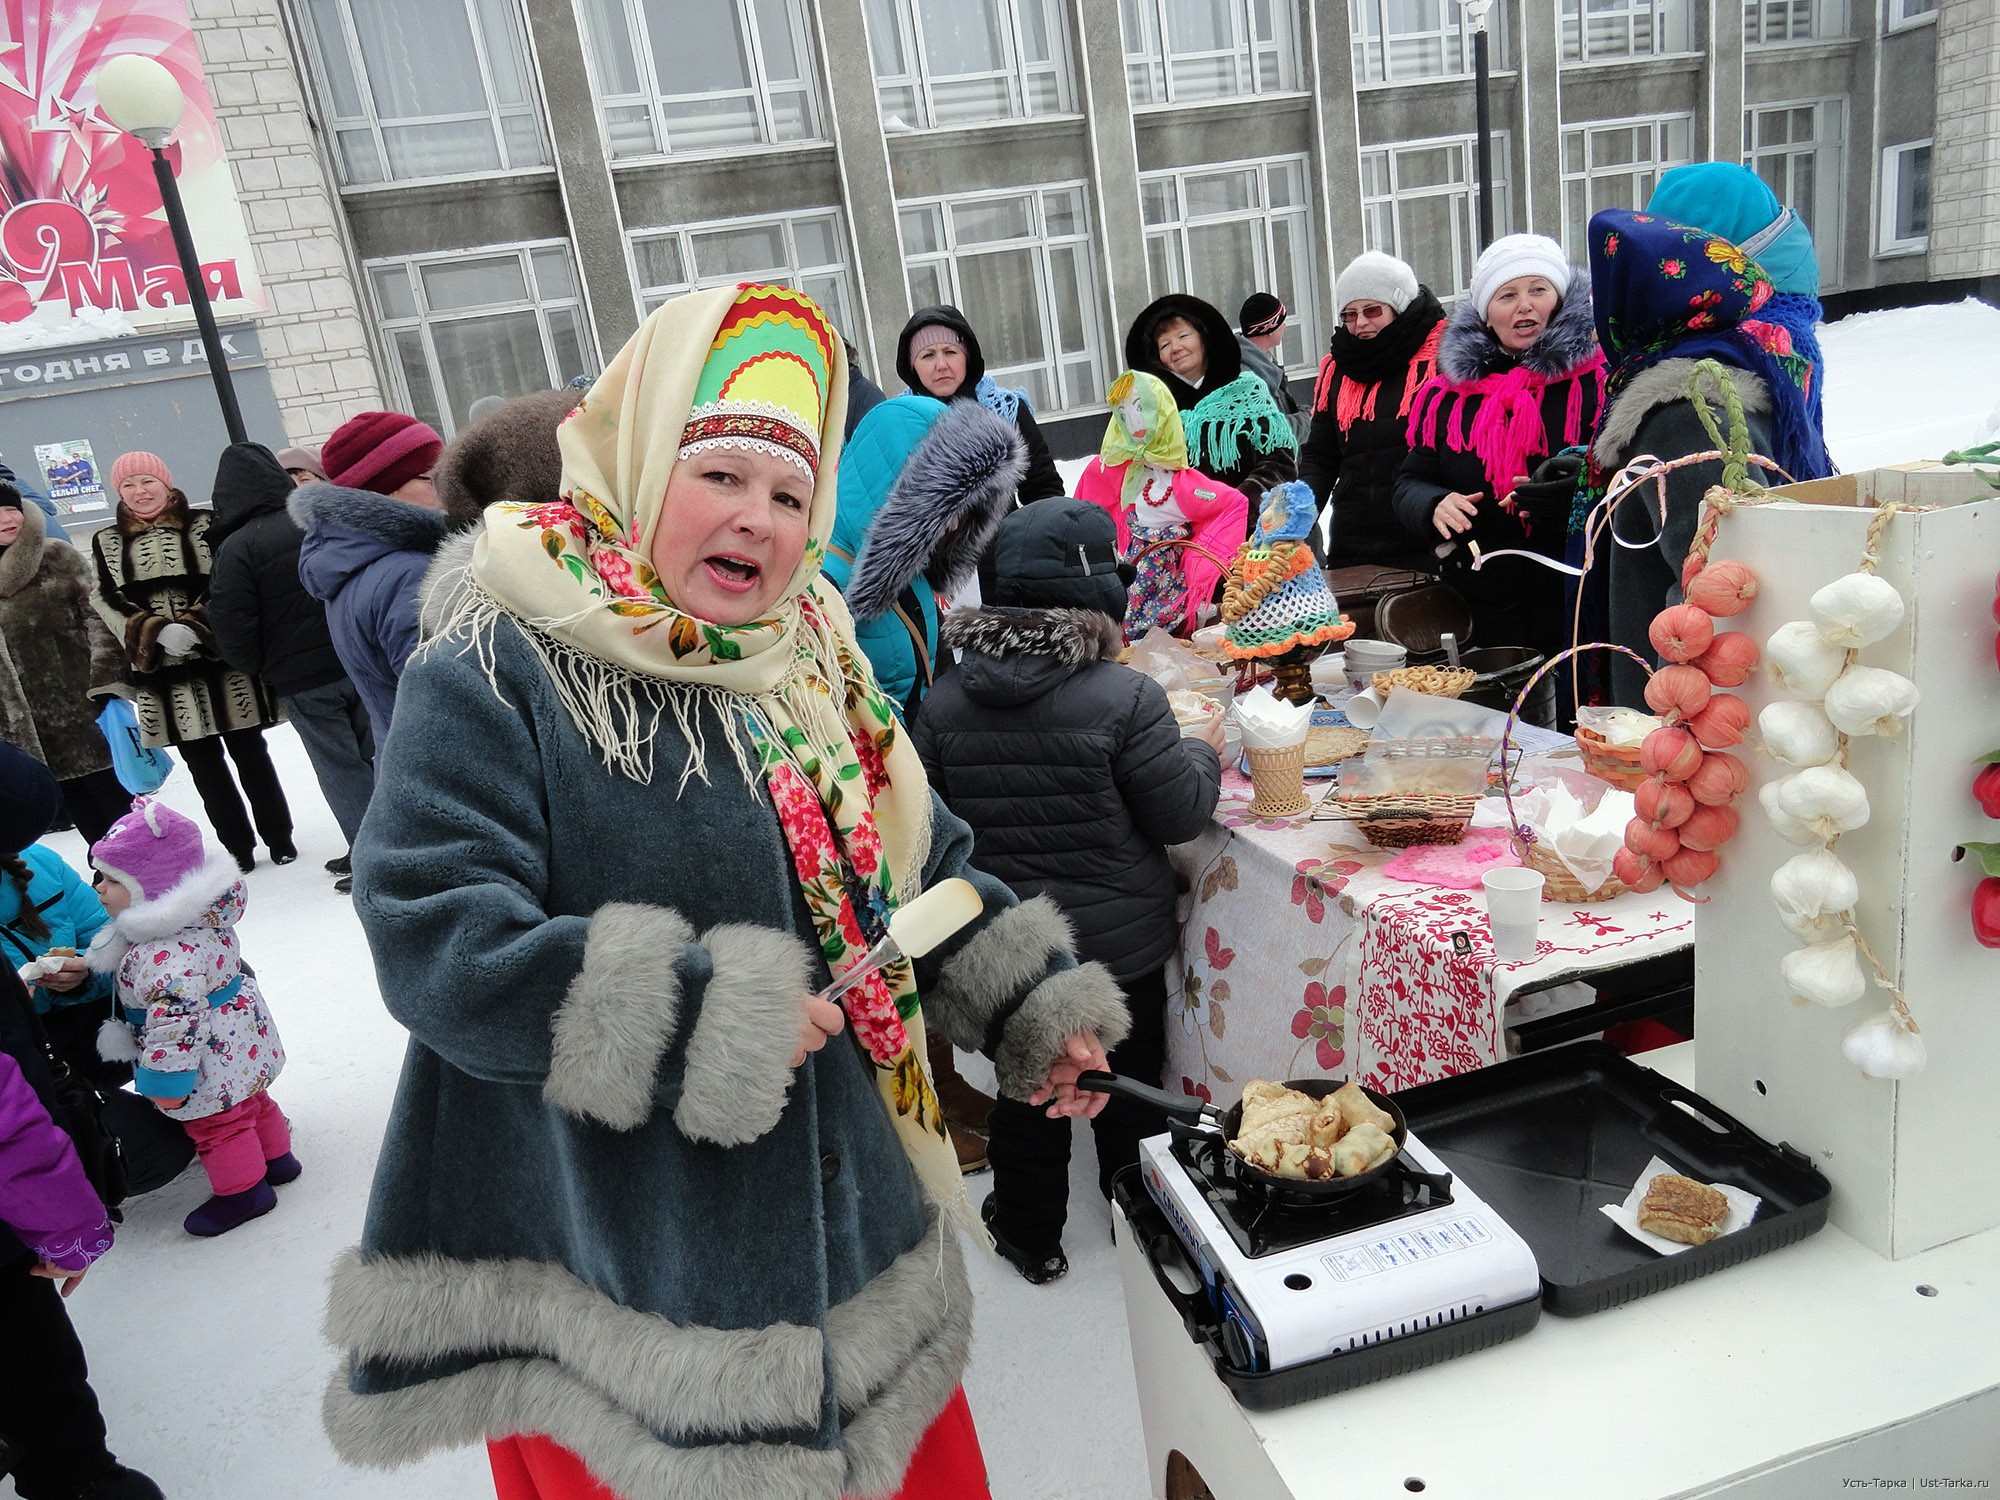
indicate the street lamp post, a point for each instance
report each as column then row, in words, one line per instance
column 1475, row 11
column 141, row 98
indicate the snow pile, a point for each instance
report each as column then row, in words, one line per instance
column 90, row 325
column 1911, row 383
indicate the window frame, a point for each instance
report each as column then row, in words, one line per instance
column 1818, row 28
column 1902, row 18
column 1285, row 47
column 422, row 321
column 1833, row 216
column 946, row 257
column 655, row 101
column 1658, row 9
column 1305, row 276
column 1887, row 243
column 1499, row 44
column 922, row 83
column 644, row 292
column 337, row 124
column 1503, row 200
column 1658, row 164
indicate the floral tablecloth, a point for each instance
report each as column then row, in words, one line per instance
column 1301, row 957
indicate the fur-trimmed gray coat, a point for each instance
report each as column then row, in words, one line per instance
column 1071, row 771
column 152, row 574
column 607, row 1208
column 57, row 661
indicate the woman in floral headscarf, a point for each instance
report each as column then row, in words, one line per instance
column 1168, row 514
column 649, row 1220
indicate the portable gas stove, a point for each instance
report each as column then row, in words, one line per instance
column 1300, row 1297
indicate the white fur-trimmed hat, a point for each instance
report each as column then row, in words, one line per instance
column 1375, row 277
column 1518, row 255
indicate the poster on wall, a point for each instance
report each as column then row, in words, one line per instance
column 85, row 251
column 71, row 471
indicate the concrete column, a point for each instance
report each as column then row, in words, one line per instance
column 1099, row 48
column 866, row 186
column 1329, row 56
column 583, row 169
column 1538, row 39
column 1725, row 79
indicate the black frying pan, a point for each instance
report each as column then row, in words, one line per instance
column 1222, row 1124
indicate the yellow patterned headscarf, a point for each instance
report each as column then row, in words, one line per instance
column 1164, row 444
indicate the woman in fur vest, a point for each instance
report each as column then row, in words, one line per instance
column 1519, row 377
column 650, row 1219
column 151, row 588
column 61, row 664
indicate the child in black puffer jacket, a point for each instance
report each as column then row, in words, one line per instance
column 1074, row 776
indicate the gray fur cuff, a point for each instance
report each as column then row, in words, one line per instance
column 986, row 976
column 619, row 1015
column 739, row 1058
column 1085, row 998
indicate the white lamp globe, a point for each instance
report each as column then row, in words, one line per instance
column 140, row 97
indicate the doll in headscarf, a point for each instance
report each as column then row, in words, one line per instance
column 1277, row 600
column 1174, row 522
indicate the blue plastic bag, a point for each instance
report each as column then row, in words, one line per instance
column 140, row 770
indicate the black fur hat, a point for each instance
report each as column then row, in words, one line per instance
column 1058, row 554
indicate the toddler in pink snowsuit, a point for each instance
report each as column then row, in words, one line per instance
column 194, row 1025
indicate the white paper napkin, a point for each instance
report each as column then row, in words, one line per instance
column 1269, row 722
column 1742, row 1209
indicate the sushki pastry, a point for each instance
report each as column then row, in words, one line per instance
column 1293, row 1135
column 1679, row 1208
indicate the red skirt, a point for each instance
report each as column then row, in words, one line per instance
column 947, row 1465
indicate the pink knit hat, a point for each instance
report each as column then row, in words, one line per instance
column 125, row 465
column 934, row 333
column 151, row 849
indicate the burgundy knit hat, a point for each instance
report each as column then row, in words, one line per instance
column 380, row 451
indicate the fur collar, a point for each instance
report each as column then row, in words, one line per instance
column 1651, row 389
column 1469, row 352
column 179, row 907
column 177, row 516
column 1074, row 637
column 447, row 583
column 409, row 528
column 964, row 473
column 22, row 561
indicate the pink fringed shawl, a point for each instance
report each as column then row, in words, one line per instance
column 1507, row 429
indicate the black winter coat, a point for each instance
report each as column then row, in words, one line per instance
column 1042, row 480
column 1071, row 771
column 265, row 622
column 1360, row 427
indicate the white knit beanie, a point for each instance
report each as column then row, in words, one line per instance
column 1518, row 255
column 1375, row 277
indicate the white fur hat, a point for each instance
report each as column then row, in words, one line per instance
column 1375, row 277
column 1518, row 255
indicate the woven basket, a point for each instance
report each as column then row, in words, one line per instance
column 1398, row 822
column 1280, row 779
column 1617, row 764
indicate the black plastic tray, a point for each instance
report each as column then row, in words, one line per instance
column 1268, row 1390
column 1548, row 1138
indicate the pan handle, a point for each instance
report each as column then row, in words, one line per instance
column 1179, row 1106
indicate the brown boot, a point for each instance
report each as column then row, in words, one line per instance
column 971, row 1150
column 962, row 1103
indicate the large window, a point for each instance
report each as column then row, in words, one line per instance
column 1018, row 265
column 1910, row 12
column 1793, row 20
column 505, row 321
column 1906, row 199
column 1182, row 51
column 1420, row 202
column 1225, row 232
column 701, row 75
column 434, row 90
column 1615, row 164
column 807, row 252
column 1799, row 149
column 1605, row 30
column 956, row 62
column 1402, row 41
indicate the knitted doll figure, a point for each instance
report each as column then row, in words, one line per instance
column 1167, row 513
column 192, row 1020
column 1277, row 598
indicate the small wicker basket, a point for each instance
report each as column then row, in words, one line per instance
column 1279, row 777
column 1617, row 764
column 1390, row 822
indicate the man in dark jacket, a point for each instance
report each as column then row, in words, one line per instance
column 371, row 531
column 268, row 625
column 1074, row 777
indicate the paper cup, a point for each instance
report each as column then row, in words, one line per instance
column 1363, row 709
column 1514, row 908
column 1279, row 777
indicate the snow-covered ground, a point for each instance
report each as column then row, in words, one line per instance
column 207, row 1353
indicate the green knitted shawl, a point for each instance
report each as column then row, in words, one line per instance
column 1218, row 423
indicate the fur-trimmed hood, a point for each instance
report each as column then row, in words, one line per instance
column 202, row 897
column 21, row 560
column 1016, row 655
column 1469, row 351
column 348, row 529
column 1662, row 385
column 942, row 503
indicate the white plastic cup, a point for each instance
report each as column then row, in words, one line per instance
column 1363, row 709
column 1329, row 674
column 1514, row 908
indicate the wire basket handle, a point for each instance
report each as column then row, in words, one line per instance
column 1181, row 543
column 1514, row 829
